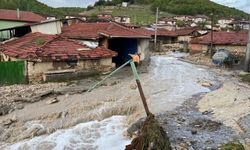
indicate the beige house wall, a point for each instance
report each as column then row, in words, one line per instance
column 233, row 49
column 48, row 28
column 143, row 48
column 184, row 38
column 237, row 50
column 35, row 70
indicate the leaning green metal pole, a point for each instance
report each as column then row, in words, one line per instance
column 94, row 86
column 140, row 88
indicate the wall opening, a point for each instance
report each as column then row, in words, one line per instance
column 124, row 47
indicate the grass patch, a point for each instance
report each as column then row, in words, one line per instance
column 139, row 14
column 245, row 78
column 39, row 41
column 232, row 146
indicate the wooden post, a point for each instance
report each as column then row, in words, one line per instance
column 143, row 98
column 247, row 60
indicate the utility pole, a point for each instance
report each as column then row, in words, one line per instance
column 156, row 26
column 212, row 35
column 247, row 60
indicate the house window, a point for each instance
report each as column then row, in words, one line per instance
column 72, row 63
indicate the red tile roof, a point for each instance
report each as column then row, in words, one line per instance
column 25, row 16
column 185, row 31
column 97, row 30
column 37, row 46
column 223, row 38
column 160, row 32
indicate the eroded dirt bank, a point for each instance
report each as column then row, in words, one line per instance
column 167, row 84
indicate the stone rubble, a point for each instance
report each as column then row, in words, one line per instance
column 14, row 96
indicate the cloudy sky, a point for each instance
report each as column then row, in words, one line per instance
column 239, row 4
column 68, row 3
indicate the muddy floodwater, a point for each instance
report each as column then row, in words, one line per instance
column 172, row 88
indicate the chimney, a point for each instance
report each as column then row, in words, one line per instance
column 17, row 13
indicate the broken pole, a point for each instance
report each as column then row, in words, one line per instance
column 247, row 60
column 137, row 79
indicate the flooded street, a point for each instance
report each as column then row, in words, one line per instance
column 168, row 83
column 173, row 81
column 94, row 135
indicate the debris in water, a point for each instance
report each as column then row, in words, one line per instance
column 152, row 136
column 52, row 101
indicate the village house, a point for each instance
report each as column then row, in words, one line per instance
column 13, row 18
column 122, row 19
column 71, row 21
column 124, row 4
column 234, row 42
column 224, row 23
column 79, row 16
column 185, row 34
column 110, row 35
column 104, row 17
column 239, row 25
column 50, row 17
column 183, row 18
column 199, row 18
column 48, row 57
column 167, row 23
column 163, row 36
column 46, row 27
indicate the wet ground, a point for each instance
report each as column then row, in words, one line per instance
column 173, row 89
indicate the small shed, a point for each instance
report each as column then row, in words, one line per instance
column 53, row 55
column 113, row 36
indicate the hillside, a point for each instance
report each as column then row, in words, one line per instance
column 139, row 14
column 38, row 7
column 143, row 11
column 197, row 7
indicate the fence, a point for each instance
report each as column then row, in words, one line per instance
column 13, row 72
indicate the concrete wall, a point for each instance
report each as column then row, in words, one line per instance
column 184, row 38
column 36, row 70
column 233, row 49
column 48, row 28
column 143, row 48
column 237, row 50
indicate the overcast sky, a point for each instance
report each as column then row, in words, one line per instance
column 68, row 3
column 239, row 4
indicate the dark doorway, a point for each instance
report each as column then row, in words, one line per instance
column 123, row 46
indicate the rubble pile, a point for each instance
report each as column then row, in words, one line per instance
column 172, row 47
column 200, row 58
column 14, row 96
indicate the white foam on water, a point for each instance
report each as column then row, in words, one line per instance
column 94, row 135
